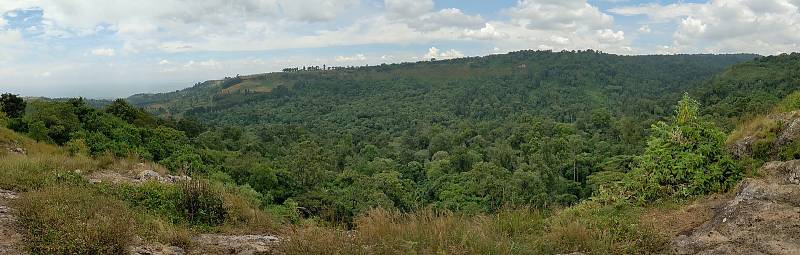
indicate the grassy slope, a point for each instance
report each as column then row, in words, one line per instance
column 61, row 212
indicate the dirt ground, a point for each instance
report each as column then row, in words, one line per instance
column 10, row 239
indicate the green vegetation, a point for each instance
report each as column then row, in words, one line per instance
column 469, row 135
column 524, row 153
column 72, row 220
column 684, row 158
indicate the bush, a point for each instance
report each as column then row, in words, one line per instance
column 71, row 220
column 201, row 203
column 684, row 158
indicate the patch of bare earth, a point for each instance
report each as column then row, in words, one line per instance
column 763, row 217
column 10, row 239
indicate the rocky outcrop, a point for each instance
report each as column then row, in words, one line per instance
column 10, row 239
column 789, row 131
column 763, row 218
column 142, row 175
column 235, row 244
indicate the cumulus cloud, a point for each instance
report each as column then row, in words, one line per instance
column 103, row 52
column 764, row 26
column 488, row 32
column 436, row 53
column 559, row 15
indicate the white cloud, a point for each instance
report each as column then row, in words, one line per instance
column 356, row 58
column 608, row 35
column 408, row 8
column 559, row 15
column 488, row 32
column 11, row 44
column 445, row 18
column 434, row 52
column 763, row 26
column 46, row 74
column 657, row 12
column 645, row 29
column 103, row 52
column 2, row 21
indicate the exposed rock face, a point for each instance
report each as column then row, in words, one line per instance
column 236, row 244
column 10, row 239
column 763, row 218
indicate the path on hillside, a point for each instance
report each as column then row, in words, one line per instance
column 763, row 217
column 10, row 239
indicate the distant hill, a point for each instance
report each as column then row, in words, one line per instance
column 537, row 82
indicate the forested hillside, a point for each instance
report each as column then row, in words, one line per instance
column 405, row 154
column 444, row 133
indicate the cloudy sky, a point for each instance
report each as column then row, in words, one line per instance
column 113, row 48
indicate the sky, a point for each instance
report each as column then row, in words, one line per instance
column 115, row 48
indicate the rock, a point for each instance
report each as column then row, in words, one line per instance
column 148, row 175
column 157, row 250
column 176, row 178
column 18, row 150
column 789, row 132
column 763, row 217
column 236, row 244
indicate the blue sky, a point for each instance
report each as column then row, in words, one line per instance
column 114, row 48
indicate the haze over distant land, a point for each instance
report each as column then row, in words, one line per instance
column 117, row 48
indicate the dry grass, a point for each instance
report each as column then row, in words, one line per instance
column 24, row 173
column 758, row 127
column 589, row 227
column 243, row 217
column 10, row 139
column 72, row 220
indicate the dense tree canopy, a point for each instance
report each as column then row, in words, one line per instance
column 531, row 128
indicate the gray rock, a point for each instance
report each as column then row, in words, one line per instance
column 763, row 217
column 237, row 244
column 147, row 175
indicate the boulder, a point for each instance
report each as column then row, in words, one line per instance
column 149, row 175
column 763, row 217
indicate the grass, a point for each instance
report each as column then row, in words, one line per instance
column 62, row 213
column 26, row 173
column 73, row 220
column 588, row 227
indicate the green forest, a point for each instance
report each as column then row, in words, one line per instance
column 474, row 136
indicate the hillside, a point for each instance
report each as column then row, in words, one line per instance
column 436, row 160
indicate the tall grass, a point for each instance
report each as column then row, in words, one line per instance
column 589, row 227
column 24, row 173
column 72, row 220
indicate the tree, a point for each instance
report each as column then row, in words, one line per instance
column 12, row 105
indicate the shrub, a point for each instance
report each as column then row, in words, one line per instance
column 201, row 203
column 686, row 157
column 72, row 220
